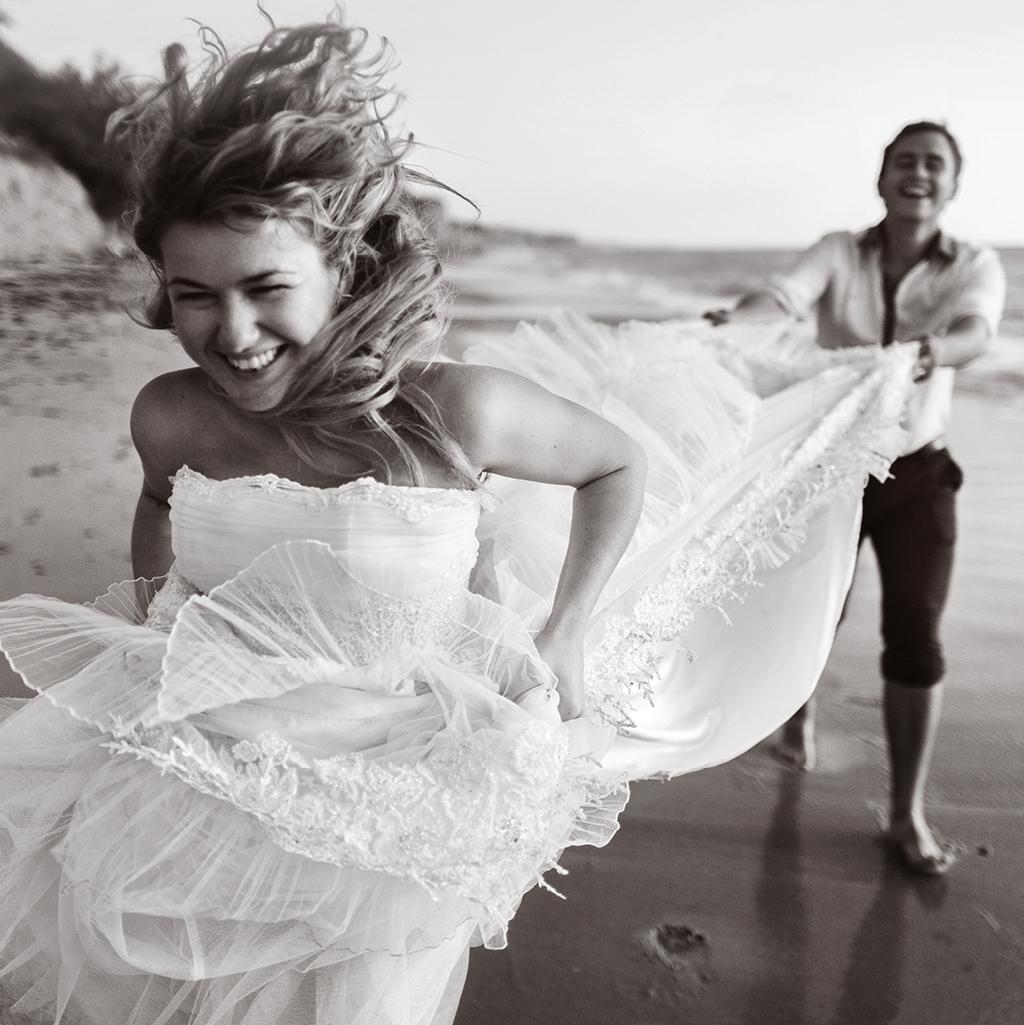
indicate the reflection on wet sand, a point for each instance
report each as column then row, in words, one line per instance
column 781, row 906
column 873, row 983
column 871, row 990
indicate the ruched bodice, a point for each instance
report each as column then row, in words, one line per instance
column 415, row 538
column 401, row 556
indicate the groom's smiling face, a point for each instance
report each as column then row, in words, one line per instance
column 919, row 176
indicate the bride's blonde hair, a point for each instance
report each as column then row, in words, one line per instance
column 296, row 128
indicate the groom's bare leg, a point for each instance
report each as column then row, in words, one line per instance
column 913, row 530
column 911, row 724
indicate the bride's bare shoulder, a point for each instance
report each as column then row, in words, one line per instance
column 170, row 402
column 170, row 415
column 177, row 386
column 474, row 400
column 463, row 390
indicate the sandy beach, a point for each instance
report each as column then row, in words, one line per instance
column 743, row 895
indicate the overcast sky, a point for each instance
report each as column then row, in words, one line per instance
column 719, row 123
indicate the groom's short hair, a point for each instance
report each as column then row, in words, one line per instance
column 916, row 128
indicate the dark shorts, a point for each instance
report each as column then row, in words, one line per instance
column 910, row 520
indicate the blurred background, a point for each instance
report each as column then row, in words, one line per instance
column 681, row 149
column 681, row 124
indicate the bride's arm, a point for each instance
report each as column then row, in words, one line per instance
column 153, row 426
column 513, row 427
column 151, row 535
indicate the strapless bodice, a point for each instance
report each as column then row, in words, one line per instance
column 403, row 540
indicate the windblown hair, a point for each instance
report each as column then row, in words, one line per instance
column 293, row 128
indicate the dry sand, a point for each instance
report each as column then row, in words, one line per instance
column 746, row 894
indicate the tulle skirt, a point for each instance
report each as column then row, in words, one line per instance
column 178, row 848
column 235, row 821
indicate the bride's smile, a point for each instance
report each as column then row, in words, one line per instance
column 249, row 302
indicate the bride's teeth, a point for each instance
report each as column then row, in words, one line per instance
column 257, row 362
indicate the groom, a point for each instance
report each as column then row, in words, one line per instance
column 903, row 280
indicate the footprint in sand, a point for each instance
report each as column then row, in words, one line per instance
column 124, row 448
column 684, row 951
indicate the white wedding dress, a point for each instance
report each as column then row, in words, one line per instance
column 294, row 783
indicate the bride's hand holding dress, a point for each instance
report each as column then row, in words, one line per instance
column 510, row 426
column 563, row 655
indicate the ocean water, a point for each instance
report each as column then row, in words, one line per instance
column 1013, row 318
column 730, row 272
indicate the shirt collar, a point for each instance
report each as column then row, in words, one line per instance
column 942, row 247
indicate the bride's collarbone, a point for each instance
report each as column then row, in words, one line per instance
column 221, row 442
column 257, row 448
column 258, row 452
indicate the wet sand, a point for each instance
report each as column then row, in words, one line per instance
column 753, row 895
column 746, row 894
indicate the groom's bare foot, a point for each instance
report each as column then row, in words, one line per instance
column 918, row 849
column 796, row 747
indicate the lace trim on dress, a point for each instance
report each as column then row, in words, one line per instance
column 167, row 602
column 763, row 528
column 363, row 629
column 475, row 815
column 367, row 628
column 411, row 503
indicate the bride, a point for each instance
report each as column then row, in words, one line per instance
column 404, row 628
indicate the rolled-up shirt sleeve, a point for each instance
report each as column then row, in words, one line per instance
column 799, row 289
column 983, row 293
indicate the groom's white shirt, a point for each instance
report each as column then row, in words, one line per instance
column 840, row 279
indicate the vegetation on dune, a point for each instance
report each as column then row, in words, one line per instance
column 63, row 114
